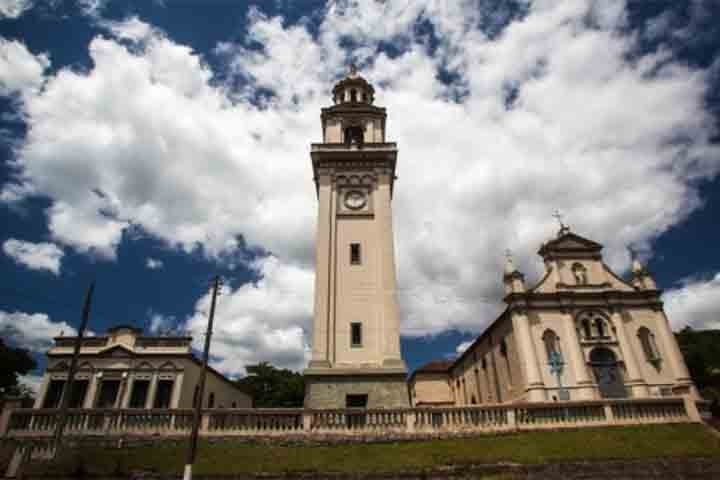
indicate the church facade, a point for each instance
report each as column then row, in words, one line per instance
column 580, row 333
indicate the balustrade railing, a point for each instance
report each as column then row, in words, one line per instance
column 41, row 423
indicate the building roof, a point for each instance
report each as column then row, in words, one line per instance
column 435, row 366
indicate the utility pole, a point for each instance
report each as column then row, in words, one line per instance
column 192, row 452
column 65, row 399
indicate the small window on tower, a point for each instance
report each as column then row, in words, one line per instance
column 356, row 334
column 355, row 258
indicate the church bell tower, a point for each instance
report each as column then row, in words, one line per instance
column 356, row 359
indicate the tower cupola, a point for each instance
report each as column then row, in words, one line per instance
column 353, row 120
column 353, row 90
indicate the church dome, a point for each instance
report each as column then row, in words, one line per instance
column 353, row 89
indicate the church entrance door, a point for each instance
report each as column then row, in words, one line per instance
column 607, row 373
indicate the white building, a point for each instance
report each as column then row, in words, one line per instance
column 124, row 369
column 580, row 333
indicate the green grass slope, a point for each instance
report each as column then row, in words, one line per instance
column 233, row 457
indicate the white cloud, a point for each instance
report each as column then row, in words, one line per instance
column 92, row 8
column 695, row 304
column 146, row 137
column 460, row 349
column 35, row 256
column 14, row 8
column 161, row 324
column 153, row 263
column 261, row 321
column 32, row 331
column 132, row 29
column 20, row 71
column 32, row 381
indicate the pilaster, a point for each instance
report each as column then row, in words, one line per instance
column 635, row 378
column 388, row 281
column 322, row 273
column 526, row 348
column 586, row 390
column 675, row 357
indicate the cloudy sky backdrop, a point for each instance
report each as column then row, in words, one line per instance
column 151, row 144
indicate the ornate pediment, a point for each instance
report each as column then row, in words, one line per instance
column 117, row 351
column 570, row 243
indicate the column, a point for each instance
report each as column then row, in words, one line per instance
column 42, row 391
column 92, row 391
column 526, row 349
column 635, row 380
column 577, row 359
column 126, row 389
column 388, row 281
column 177, row 389
column 150, row 400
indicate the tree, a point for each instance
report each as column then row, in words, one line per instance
column 701, row 349
column 271, row 387
column 14, row 362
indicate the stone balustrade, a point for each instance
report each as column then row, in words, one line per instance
column 380, row 423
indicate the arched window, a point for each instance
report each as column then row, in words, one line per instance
column 234, row 404
column 552, row 343
column 580, row 273
column 650, row 349
column 587, row 331
column 600, row 326
column 353, row 95
column 593, row 326
column 503, row 347
column 211, row 400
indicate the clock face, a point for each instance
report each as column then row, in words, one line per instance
column 355, row 199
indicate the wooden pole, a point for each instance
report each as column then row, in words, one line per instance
column 192, row 451
column 65, row 399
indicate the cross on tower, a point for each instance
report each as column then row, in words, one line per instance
column 563, row 228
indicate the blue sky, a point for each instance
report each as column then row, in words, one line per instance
column 150, row 145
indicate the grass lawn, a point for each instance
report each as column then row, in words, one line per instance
column 229, row 457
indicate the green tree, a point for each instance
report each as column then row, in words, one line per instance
column 14, row 362
column 701, row 349
column 271, row 387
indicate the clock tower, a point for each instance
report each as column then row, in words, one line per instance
column 356, row 359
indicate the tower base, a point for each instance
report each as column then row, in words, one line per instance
column 341, row 389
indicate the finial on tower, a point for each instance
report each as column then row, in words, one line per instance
column 514, row 280
column 509, row 264
column 637, row 267
column 352, row 71
column 563, row 227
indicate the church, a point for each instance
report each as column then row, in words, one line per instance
column 580, row 333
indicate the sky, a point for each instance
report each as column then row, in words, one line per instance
column 149, row 145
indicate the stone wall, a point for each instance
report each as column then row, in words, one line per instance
column 329, row 391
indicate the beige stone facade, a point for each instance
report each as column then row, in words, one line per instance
column 356, row 328
column 124, row 369
column 580, row 333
